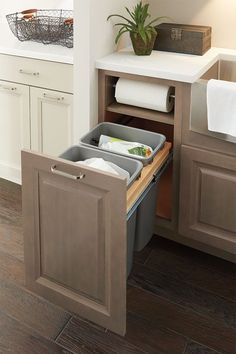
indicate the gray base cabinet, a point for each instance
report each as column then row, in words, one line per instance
column 75, row 238
column 76, row 233
column 208, row 198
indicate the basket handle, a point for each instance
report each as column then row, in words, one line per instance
column 29, row 11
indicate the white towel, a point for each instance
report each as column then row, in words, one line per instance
column 221, row 106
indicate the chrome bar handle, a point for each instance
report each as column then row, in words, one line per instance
column 53, row 97
column 54, row 170
column 8, row 88
column 26, row 72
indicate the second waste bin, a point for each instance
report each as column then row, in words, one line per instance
column 146, row 206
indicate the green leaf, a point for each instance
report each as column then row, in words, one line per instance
column 137, row 23
column 143, row 35
column 120, row 16
column 158, row 19
column 124, row 25
column 130, row 13
column 120, row 33
column 149, row 35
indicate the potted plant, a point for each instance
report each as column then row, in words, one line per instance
column 142, row 34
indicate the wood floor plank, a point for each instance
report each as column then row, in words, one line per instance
column 141, row 336
column 152, row 338
column 182, row 293
column 142, row 256
column 16, row 338
column 81, row 334
column 10, row 203
column 12, row 269
column 12, row 191
column 181, row 320
column 11, row 231
column 192, row 266
column 11, row 240
column 183, row 309
column 46, row 318
column 195, row 348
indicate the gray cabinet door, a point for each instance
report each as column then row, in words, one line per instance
column 208, row 198
column 75, row 238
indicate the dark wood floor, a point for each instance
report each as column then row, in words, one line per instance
column 180, row 301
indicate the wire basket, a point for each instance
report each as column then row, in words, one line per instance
column 44, row 26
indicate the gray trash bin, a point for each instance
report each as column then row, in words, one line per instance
column 134, row 167
column 141, row 218
column 146, row 211
column 146, row 205
column 131, row 229
column 81, row 153
column 146, row 214
column 154, row 140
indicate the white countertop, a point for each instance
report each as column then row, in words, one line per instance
column 12, row 46
column 165, row 65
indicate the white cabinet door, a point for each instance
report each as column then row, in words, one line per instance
column 51, row 121
column 14, row 128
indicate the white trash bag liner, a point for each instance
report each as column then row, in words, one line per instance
column 106, row 166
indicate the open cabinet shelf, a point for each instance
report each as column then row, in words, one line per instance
column 168, row 124
column 167, row 118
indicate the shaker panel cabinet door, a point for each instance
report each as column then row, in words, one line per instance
column 51, row 121
column 208, row 198
column 14, row 128
column 75, row 238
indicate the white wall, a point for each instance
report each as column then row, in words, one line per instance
column 220, row 14
column 95, row 39
column 11, row 6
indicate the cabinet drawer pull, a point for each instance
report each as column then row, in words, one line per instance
column 26, row 72
column 55, row 171
column 52, row 97
column 8, row 88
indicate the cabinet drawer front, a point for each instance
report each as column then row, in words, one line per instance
column 75, row 238
column 37, row 73
column 208, row 198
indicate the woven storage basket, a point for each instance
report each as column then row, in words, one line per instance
column 44, row 26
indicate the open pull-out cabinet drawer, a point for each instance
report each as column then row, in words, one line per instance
column 75, row 235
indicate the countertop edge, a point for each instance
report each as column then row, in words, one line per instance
column 137, row 68
column 56, row 58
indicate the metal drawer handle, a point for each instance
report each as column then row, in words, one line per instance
column 55, row 171
column 26, row 72
column 8, row 88
column 52, row 97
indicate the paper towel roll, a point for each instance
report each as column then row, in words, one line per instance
column 145, row 95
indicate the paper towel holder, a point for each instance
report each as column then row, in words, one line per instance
column 171, row 96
